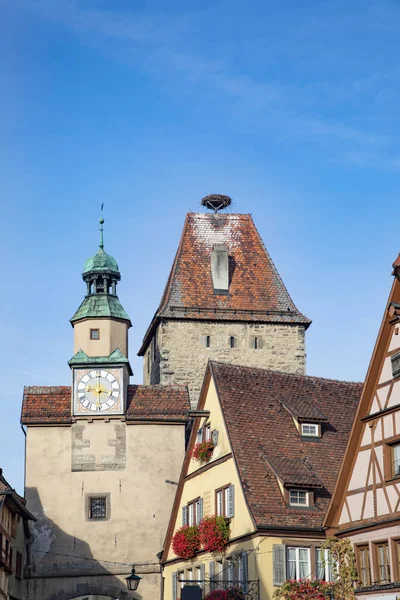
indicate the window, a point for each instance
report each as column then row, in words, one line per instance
column 391, row 460
column 98, row 508
column 195, row 511
column 363, row 565
column 396, row 364
column 148, row 361
column 95, row 334
column 232, row 342
column 208, row 341
column 18, row 566
column 224, row 501
column 298, row 563
column 207, row 433
column 383, row 562
column 256, row 343
column 298, row 498
column 324, row 567
column 396, row 559
column 396, row 459
column 242, row 571
column 310, row 429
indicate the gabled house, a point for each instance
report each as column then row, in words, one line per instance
column 14, row 530
column 277, row 442
column 366, row 503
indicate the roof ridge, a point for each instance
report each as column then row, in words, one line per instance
column 285, row 373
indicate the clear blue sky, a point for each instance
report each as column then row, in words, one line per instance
column 292, row 108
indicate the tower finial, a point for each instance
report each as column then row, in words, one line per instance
column 101, row 221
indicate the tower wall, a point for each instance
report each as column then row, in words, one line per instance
column 112, row 335
column 178, row 352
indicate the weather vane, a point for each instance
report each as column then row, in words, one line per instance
column 216, row 202
column 101, row 221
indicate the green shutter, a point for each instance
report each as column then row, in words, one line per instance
column 174, row 584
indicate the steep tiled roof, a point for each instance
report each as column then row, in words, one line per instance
column 266, row 442
column 53, row 404
column 256, row 290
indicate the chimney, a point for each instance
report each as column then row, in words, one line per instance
column 220, row 269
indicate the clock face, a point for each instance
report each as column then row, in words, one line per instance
column 98, row 390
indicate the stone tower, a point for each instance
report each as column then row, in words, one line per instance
column 102, row 457
column 224, row 300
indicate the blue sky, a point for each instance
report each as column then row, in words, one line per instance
column 289, row 107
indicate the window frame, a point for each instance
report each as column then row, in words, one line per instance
column 192, row 511
column 299, row 504
column 388, row 458
column 317, row 433
column 378, row 566
column 326, row 565
column 97, row 496
column 98, row 334
column 224, row 491
column 18, row 565
column 358, row 552
column 297, row 562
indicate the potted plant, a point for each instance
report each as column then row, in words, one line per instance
column 304, row 589
column 203, row 452
column 214, row 534
column 235, row 593
column 186, row 542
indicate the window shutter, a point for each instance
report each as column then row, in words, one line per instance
column 202, row 575
column 199, row 436
column 184, row 515
column 174, row 584
column 230, row 509
column 245, row 573
column 211, row 574
column 279, row 563
column 199, row 507
column 214, row 437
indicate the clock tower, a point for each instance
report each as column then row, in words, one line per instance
column 100, row 365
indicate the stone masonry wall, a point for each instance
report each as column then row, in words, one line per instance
column 182, row 355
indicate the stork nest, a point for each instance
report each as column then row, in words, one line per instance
column 216, row 202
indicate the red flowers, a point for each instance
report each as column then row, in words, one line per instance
column 214, row 534
column 186, row 542
column 203, row 451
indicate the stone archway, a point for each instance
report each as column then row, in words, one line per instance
column 93, row 591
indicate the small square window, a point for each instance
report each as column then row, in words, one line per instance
column 298, row 498
column 95, row 334
column 98, row 508
column 309, row 429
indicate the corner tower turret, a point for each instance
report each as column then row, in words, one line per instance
column 100, row 323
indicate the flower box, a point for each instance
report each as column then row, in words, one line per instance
column 186, row 542
column 214, row 534
column 203, row 452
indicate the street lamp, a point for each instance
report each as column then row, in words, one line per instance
column 132, row 581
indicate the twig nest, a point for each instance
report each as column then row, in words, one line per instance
column 216, row 202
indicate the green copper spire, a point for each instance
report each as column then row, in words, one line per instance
column 101, row 221
column 101, row 275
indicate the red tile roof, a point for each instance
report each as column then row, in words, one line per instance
column 43, row 405
column 8, row 494
column 266, row 442
column 256, row 291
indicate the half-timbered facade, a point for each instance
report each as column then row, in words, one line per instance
column 277, row 444
column 366, row 504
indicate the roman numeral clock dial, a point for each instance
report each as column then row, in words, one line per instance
column 98, row 391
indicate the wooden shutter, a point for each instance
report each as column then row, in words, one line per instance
column 214, row 437
column 245, row 573
column 279, row 563
column 230, row 508
column 211, row 574
column 202, row 575
column 199, row 509
column 184, row 515
column 174, row 584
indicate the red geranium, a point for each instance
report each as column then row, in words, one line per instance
column 214, row 534
column 186, row 542
column 303, row 589
column 203, row 451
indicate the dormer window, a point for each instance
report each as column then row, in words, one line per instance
column 310, row 429
column 299, row 498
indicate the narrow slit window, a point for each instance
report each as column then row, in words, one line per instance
column 232, row 341
column 208, row 341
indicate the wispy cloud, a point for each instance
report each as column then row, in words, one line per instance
column 162, row 43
